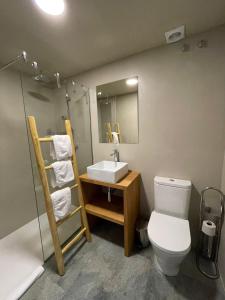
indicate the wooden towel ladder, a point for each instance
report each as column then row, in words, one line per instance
column 59, row 251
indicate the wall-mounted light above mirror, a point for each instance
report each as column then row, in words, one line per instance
column 118, row 111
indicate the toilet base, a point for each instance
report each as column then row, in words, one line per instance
column 166, row 268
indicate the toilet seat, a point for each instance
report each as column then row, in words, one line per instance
column 170, row 234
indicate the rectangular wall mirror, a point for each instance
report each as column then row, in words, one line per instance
column 118, row 111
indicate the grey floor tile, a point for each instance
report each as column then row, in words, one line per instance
column 100, row 271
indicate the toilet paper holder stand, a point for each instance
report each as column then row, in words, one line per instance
column 215, row 240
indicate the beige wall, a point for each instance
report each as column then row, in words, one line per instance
column 40, row 103
column 80, row 120
column 123, row 109
column 181, row 115
column 17, row 198
column 127, row 117
column 222, row 242
column 104, row 116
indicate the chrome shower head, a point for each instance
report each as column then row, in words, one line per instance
column 57, row 75
column 34, row 65
column 24, row 56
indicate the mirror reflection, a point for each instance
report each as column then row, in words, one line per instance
column 118, row 111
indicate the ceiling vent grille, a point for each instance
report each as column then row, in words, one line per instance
column 175, row 35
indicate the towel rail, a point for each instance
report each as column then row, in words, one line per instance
column 48, row 167
column 45, row 139
column 53, row 224
column 69, row 215
column 73, row 241
column 74, row 186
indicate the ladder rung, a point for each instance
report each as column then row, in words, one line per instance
column 68, row 216
column 46, row 139
column 73, row 241
column 48, row 167
column 73, row 186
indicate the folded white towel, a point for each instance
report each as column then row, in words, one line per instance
column 61, row 148
column 61, row 201
column 63, row 173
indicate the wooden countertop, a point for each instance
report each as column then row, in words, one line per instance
column 123, row 184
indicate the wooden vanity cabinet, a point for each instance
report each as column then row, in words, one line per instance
column 123, row 208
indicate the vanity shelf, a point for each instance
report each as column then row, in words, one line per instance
column 111, row 211
column 123, row 208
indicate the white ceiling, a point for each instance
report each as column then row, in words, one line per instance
column 94, row 32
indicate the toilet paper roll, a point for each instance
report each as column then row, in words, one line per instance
column 209, row 228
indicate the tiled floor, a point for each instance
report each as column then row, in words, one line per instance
column 99, row 270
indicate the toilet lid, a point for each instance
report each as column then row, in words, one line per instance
column 169, row 233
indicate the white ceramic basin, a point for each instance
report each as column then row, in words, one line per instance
column 108, row 171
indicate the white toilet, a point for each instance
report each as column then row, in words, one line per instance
column 168, row 227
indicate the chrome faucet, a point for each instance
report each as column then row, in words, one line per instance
column 116, row 155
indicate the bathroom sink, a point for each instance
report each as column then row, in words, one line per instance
column 107, row 171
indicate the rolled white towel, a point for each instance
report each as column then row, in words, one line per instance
column 61, row 201
column 61, row 148
column 115, row 137
column 63, row 173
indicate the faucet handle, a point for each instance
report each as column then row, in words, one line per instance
column 116, row 155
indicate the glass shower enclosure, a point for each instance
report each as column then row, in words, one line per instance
column 51, row 106
column 25, row 240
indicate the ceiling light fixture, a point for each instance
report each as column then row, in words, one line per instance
column 52, row 7
column 132, row 81
column 99, row 93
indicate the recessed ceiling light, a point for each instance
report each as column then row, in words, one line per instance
column 52, row 7
column 132, row 81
